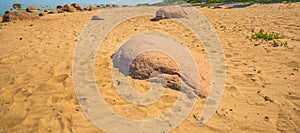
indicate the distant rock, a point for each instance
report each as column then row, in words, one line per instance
column 168, row 12
column 59, row 7
column 17, row 6
column 43, row 14
column 69, row 8
column 97, row 18
column 31, row 9
column 12, row 16
column 112, row 6
column 91, row 8
column 77, row 6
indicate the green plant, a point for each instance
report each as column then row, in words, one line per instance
column 265, row 36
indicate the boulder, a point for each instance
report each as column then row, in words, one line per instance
column 11, row 16
column 112, row 6
column 59, row 7
column 77, row 6
column 168, row 12
column 69, row 8
column 139, row 59
column 17, row 6
column 31, row 9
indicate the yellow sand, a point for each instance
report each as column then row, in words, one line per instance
column 261, row 92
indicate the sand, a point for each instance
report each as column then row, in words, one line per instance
column 262, row 82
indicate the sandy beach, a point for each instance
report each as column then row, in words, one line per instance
column 262, row 82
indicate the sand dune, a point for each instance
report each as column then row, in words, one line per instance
column 262, row 84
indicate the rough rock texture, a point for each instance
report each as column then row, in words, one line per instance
column 170, row 12
column 11, row 16
column 69, row 8
column 31, row 9
column 148, row 62
column 77, row 6
column 17, row 6
column 148, row 65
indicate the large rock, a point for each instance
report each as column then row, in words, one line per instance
column 168, row 12
column 77, row 6
column 143, row 57
column 17, row 6
column 11, row 16
column 31, row 9
column 69, row 8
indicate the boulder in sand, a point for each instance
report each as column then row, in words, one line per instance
column 144, row 57
column 168, row 12
column 69, row 8
column 11, row 16
column 17, row 6
column 77, row 6
column 31, row 9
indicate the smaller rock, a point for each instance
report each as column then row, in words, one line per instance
column 77, row 6
column 31, row 9
column 266, row 118
column 17, row 6
column 59, row 7
column 6, row 12
column 91, row 8
column 112, row 6
column 43, row 14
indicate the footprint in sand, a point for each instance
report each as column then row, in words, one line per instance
column 233, row 90
column 17, row 110
column 60, row 78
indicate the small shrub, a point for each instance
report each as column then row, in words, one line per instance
column 265, row 36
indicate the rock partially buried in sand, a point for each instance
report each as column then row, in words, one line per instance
column 17, row 6
column 11, row 16
column 31, row 9
column 134, row 60
column 168, row 12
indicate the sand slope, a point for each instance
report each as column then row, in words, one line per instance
column 262, row 91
